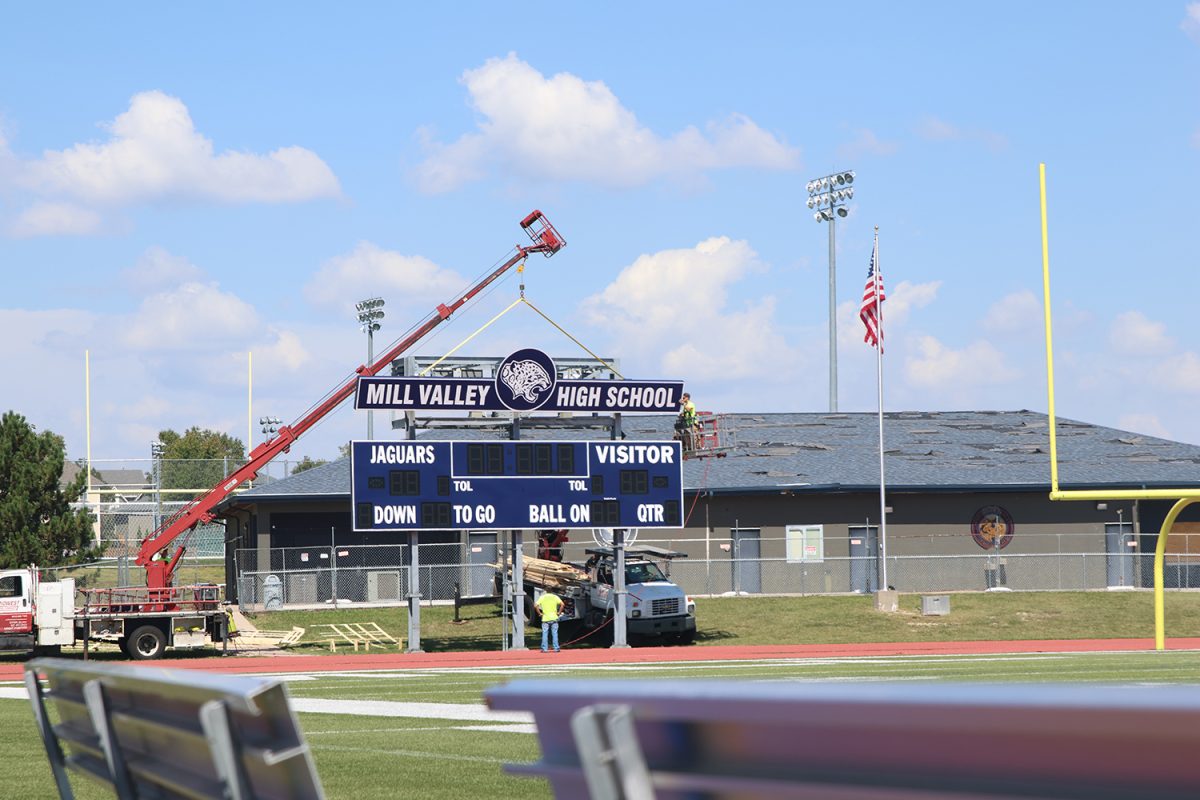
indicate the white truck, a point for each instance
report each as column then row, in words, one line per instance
column 655, row 607
column 41, row 616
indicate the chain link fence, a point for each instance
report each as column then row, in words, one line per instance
column 326, row 576
column 121, row 526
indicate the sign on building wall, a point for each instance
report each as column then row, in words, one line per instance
column 526, row 381
column 412, row 486
column 992, row 527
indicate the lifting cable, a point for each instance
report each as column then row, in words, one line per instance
column 522, row 300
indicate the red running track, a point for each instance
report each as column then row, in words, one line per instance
column 378, row 660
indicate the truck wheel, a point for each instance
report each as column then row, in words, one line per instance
column 146, row 643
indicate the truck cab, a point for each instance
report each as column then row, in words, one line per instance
column 35, row 613
column 655, row 605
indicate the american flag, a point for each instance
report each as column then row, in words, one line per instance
column 871, row 311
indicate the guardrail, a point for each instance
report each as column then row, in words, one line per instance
column 711, row 739
column 170, row 733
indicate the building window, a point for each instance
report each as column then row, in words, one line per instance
column 805, row 543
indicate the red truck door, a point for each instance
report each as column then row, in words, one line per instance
column 16, row 610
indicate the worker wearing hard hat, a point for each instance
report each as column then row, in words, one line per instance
column 686, row 422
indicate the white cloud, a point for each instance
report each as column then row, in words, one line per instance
column 907, row 296
column 154, row 151
column 1148, row 424
column 901, row 301
column 193, row 316
column 286, row 350
column 1191, row 21
column 370, row 270
column 1134, row 335
column 1179, row 373
column 865, row 142
column 1016, row 312
column 933, row 365
column 674, row 303
column 565, row 128
column 938, row 130
column 55, row 219
column 157, row 269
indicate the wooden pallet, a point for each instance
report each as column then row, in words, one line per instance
column 255, row 639
column 356, row 633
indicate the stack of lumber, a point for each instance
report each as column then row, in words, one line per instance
column 551, row 574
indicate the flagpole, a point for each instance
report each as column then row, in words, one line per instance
column 883, row 582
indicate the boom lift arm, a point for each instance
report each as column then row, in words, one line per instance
column 160, row 572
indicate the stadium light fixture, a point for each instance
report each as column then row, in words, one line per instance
column 825, row 193
column 370, row 311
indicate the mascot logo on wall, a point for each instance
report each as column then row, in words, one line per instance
column 992, row 528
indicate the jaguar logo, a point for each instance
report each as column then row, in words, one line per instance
column 525, row 380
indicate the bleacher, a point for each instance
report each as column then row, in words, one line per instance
column 673, row 740
column 167, row 733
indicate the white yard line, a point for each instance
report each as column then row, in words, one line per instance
column 472, row 712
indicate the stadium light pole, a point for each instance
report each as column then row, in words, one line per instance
column 369, row 313
column 827, row 197
column 156, row 450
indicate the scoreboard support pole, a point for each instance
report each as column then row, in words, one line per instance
column 518, row 592
column 620, row 639
column 414, row 594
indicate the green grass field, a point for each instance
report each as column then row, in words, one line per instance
column 1005, row 616
column 422, row 755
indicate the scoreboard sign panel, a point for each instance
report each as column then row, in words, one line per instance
column 416, row 486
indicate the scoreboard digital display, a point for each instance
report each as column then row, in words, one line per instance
column 415, row 486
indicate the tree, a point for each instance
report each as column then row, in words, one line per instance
column 198, row 459
column 37, row 524
column 308, row 463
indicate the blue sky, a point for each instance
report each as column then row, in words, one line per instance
column 182, row 185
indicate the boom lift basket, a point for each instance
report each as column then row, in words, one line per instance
column 541, row 232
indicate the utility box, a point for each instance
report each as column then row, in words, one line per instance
column 383, row 586
column 272, row 593
column 935, row 605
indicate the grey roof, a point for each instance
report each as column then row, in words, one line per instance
column 943, row 450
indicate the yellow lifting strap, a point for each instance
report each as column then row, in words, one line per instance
column 514, row 304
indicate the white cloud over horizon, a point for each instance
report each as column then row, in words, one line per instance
column 566, row 128
column 153, row 152
column 675, row 303
column 961, row 372
column 935, row 129
column 369, row 270
column 55, row 219
column 1191, row 21
column 1014, row 313
column 1133, row 333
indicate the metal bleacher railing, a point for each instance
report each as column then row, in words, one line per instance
column 169, row 733
column 670, row 740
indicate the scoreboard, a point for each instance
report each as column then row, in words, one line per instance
column 512, row 485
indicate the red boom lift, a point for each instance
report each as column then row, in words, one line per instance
column 160, row 572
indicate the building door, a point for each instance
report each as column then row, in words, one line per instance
column 864, row 558
column 747, row 568
column 1119, row 544
column 481, row 554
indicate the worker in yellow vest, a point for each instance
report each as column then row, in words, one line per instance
column 687, row 423
column 549, row 606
